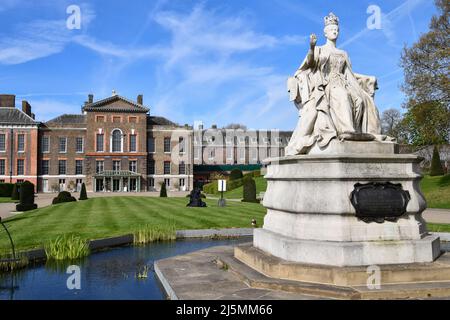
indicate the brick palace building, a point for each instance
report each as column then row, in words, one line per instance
column 114, row 144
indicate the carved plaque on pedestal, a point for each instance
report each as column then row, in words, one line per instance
column 379, row 202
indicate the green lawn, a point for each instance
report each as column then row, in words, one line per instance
column 437, row 195
column 261, row 186
column 6, row 200
column 434, row 227
column 106, row 217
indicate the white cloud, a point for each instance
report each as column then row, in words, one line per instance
column 203, row 32
column 388, row 23
column 39, row 39
column 203, row 55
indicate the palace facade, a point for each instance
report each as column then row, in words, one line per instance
column 116, row 145
column 113, row 145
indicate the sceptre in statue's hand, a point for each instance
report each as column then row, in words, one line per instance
column 312, row 41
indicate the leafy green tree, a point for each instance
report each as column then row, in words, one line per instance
column 436, row 166
column 426, row 124
column 236, row 174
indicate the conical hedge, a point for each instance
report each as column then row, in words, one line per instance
column 26, row 197
column 83, row 193
column 163, row 191
column 436, row 166
column 249, row 190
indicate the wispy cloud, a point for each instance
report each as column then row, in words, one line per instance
column 203, row 32
column 39, row 39
column 204, row 55
column 388, row 23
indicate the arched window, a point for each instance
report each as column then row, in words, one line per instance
column 116, row 141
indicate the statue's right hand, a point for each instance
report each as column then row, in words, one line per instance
column 312, row 40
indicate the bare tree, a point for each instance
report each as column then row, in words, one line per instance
column 390, row 120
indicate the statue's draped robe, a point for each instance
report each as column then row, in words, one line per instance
column 332, row 100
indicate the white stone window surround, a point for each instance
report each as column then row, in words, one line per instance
column 82, row 144
column 21, row 142
column 111, row 145
column 60, row 140
column 3, row 145
column 48, row 144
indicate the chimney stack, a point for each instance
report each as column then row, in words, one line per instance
column 140, row 99
column 90, row 98
column 7, row 101
column 26, row 108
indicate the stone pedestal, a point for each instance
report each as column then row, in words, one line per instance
column 310, row 218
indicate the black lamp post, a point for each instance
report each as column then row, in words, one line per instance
column 10, row 239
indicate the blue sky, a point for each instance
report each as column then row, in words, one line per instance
column 216, row 61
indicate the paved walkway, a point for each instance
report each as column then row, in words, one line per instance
column 437, row 216
column 45, row 199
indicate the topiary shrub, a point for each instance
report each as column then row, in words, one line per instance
column 436, row 166
column 211, row 188
column 83, row 193
column 444, row 181
column 26, row 197
column 15, row 195
column 6, row 189
column 236, row 174
column 163, row 191
column 249, row 190
column 63, row 196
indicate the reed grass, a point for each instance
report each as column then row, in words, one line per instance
column 151, row 233
column 67, row 247
column 8, row 263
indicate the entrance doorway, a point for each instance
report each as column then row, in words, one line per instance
column 116, row 185
column 99, row 185
column 133, row 185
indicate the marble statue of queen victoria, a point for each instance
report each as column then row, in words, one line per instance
column 333, row 101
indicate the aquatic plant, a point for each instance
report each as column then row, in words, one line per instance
column 143, row 274
column 152, row 233
column 67, row 246
column 8, row 263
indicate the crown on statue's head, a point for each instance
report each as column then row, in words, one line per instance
column 331, row 19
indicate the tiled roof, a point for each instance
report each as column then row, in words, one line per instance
column 160, row 121
column 15, row 116
column 116, row 103
column 68, row 119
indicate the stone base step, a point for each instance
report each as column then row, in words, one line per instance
column 436, row 275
